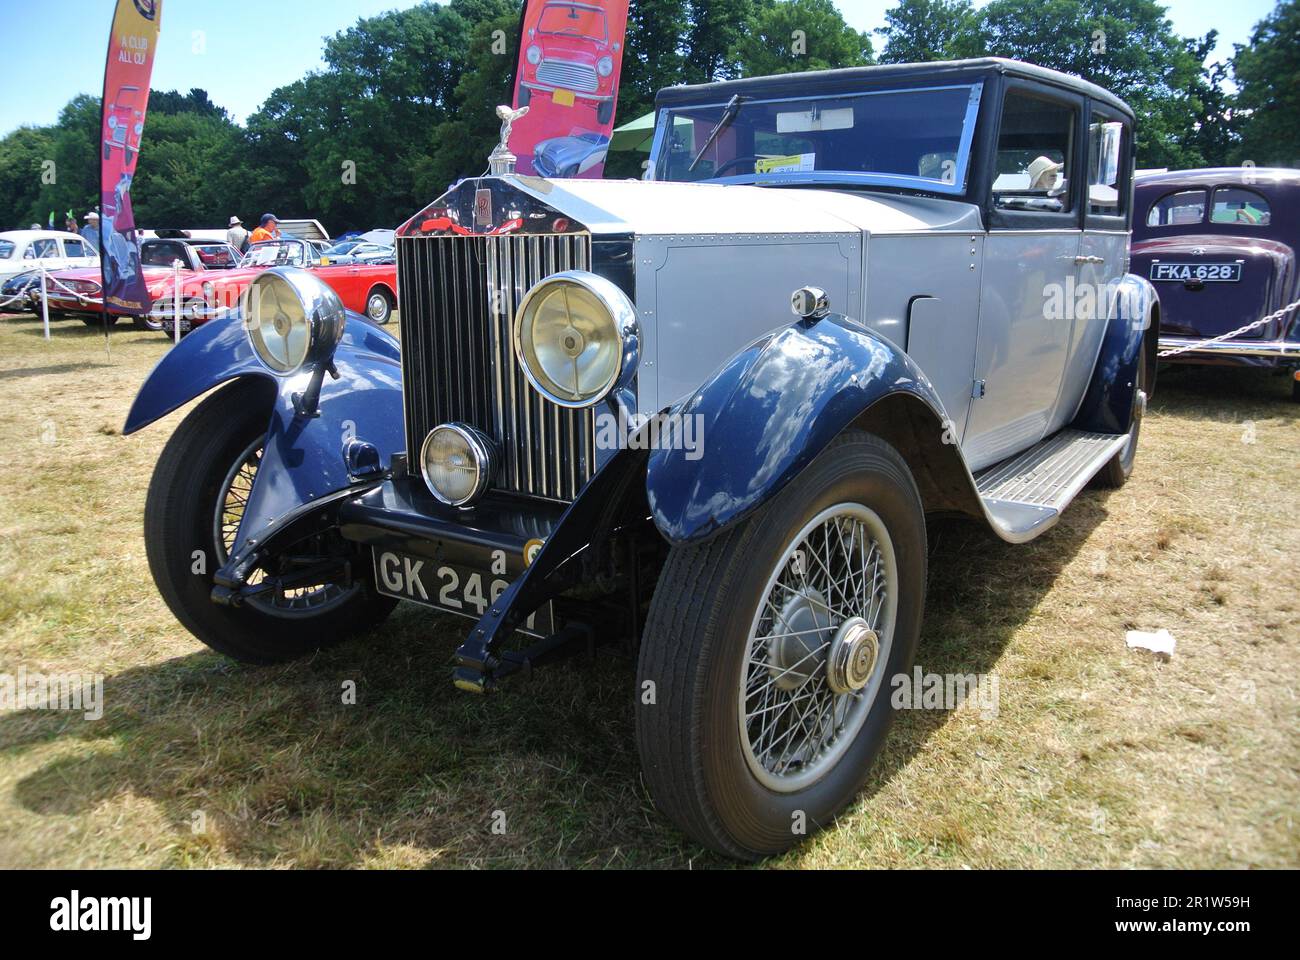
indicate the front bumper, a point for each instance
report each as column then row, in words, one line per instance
column 400, row 515
column 1267, row 349
column 595, row 97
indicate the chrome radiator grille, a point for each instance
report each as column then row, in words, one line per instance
column 458, row 301
column 568, row 75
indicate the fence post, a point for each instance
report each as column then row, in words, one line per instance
column 176, row 296
column 45, row 303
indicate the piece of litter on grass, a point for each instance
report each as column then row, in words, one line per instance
column 1161, row 642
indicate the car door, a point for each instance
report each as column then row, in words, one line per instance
column 77, row 253
column 1103, row 250
column 1029, row 273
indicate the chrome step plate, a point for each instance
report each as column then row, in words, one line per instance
column 1025, row 494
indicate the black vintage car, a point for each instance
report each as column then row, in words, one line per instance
column 1220, row 246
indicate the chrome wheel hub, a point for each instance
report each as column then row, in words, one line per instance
column 853, row 656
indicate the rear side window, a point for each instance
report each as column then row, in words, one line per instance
column 1238, row 205
column 6, row 249
column 1174, row 209
column 40, row 249
column 74, row 248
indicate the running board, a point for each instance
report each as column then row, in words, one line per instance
column 1025, row 494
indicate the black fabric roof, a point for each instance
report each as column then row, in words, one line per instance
column 850, row 79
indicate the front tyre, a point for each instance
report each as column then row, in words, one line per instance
column 192, row 512
column 768, row 651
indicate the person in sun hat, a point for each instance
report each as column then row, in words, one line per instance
column 1043, row 173
column 267, row 229
column 90, row 232
column 237, row 236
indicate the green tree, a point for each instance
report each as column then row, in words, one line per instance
column 459, row 146
column 919, row 31
column 653, row 56
column 716, row 27
column 1267, row 74
column 24, row 158
column 784, row 36
column 1126, row 46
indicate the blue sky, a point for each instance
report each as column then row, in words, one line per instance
column 241, row 50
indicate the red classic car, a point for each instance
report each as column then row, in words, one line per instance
column 1220, row 246
column 570, row 56
column 78, row 292
column 125, row 123
column 366, row 288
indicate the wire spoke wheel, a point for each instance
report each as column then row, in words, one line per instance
column 818, row 646
column 232, row 501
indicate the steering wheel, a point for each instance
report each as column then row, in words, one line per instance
column 751, row 158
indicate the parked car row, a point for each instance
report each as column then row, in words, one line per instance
column 213, row 276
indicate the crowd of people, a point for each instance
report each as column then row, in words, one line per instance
column 268, row 228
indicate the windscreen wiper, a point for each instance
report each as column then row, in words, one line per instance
column 728, row 114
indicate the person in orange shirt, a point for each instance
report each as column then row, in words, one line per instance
column 268, row 228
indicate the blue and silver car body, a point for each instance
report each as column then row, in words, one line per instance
column 937, row 339
column 598, row 379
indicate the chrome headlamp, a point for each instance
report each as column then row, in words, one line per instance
column 572, row 331
column 457, row 463
column 292, row 319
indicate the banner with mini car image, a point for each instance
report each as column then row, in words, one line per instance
column 131, row 47
column 570, row 59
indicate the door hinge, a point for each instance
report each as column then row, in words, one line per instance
column 977, row 390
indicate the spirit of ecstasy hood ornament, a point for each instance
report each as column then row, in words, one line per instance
column 502, row 161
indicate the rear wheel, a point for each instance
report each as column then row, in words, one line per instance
column 1120, row 467
column 192, row 513
column 769, row 651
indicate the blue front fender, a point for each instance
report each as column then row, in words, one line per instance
column 766, row 414
column 303, row 458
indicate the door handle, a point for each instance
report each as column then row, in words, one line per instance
column 1082, row 260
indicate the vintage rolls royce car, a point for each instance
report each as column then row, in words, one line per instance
column 605, row 426
column 1220, row 246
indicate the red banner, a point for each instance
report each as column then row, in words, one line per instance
column 126, row 97
column 570, row 58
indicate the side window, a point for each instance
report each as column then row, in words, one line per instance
column 1035, row 153
column 1107, row 147
column 74, row 248
column 162, row 255
column 1176, row 209
column 41, row 249
column 1237, row 205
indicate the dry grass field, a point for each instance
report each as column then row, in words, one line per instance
column 1099, row 756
